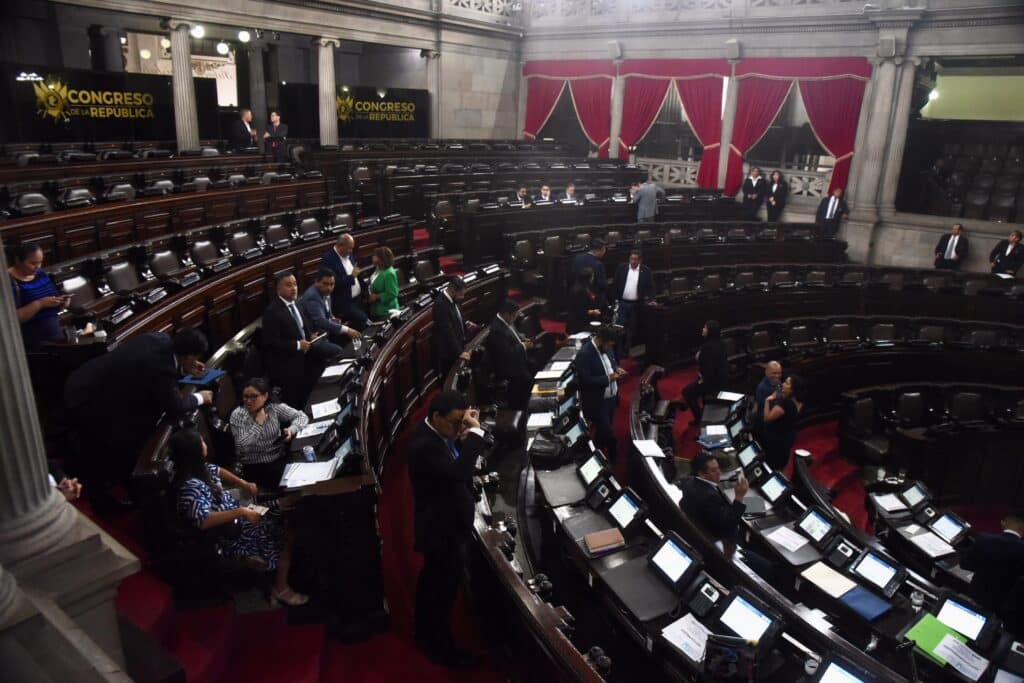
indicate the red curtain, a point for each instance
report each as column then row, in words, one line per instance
column 702, row 100
column 757, row 105
column 592, row 98
column 833, row 107
column 641, row 103
column 541, row 97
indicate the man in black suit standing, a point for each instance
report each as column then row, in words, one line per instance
column 754, row 190
column 507, row 353
column 242, row 135
column 997, row 561
column 294, row 354
column 593, row 259
column 952, row 248
column 115, row 401
column 598, row 374
column 277, row 138
column 442, row 459
column 632, row 288
column 449, row 335
column 831, row 211
column 1008, row 255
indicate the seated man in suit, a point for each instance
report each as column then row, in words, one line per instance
column 508, row 357
column 544, row 195
column 952, row 248
column 754, row 190
column 316, row 303
column 633, row 287
column 646, row 199
column 1008, row 255
column 241, row 134
column 142, row 373
column 598, row 373
column 295, row 355
column 570, row 194
column 442, row 458
column 346, row 300
column 997, row 561
column 831, row 211
column 276, row 137
column 523, row 197
column 593, row 259
column 449, row 336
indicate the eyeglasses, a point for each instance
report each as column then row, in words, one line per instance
column 251, row 397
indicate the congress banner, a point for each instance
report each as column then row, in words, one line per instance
column 70, row 105
column 382, row 113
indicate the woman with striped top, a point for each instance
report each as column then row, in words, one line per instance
column 262, row 432
column 35, row 297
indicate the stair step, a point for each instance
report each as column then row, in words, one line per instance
column 269, row 649
column 146, row 602
column 203, row 640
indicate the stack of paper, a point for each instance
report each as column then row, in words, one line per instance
column 688, row 635
column 649, row 448
column 547, row 375
column 314, row 429
column 928, row 632
column 325, row 408
column 337, row 370
column 298, row 474
column 560, row 365
column 828, row 579
column 539, row 421
column 787, row 538
column 889, row 502
column 932, row 545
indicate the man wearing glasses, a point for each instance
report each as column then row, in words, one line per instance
column 442, row 460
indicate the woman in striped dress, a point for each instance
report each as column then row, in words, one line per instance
column 259, row 539
column 262, row 432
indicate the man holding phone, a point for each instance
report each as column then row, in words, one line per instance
column 599, row 373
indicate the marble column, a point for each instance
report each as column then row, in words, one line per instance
column 865, row 208
column 186, row 120
column 8, row 596
column 858, row 142
column 728, row 119
column 327, row 88
column 898, row 140
column 618, row 99
column 434, row 87
column 257, row 88
column 113, row 52
column 34, row 517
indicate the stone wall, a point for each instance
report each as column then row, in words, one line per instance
column 478, row 94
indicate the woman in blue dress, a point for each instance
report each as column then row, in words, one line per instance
column 36, row 299
column 202, row 501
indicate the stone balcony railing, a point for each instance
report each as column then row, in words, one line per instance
column 804, row 186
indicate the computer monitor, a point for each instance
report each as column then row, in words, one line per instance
column 575, row 433
column 915, row 495
column 967, row 619
column 567, row 405
column 736, row 428
column 879, row 572
column 775, row 488
column 748, row 455
column 834, row 671
column 591, row 469
column 624, row 509
column 746, row 617
column 345, row 448
column 675, row 561
column 567, row 379
column 816, row 525
column 346, row 410
column 949, row 527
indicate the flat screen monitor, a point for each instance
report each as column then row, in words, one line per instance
column 575, row 433
column 672, row 561
column 914, row 496
column 774, row 487
column 344, row 449
column 748, row 455
column 346, row 410
column 961, row 618
column 624, row 510
column 876, row 570
column 591, row 469
column 745, row 620
column 737, row 428
column 948, row 527
column 816, row 525
column 837, row 673
column 568, row 404
column 567, row 379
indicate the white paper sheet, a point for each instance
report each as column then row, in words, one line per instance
column 960, row 657
column 548, row 374
column 325, row 408
column 889, row 502
column 729, row 396
column 560, row 365
column 336, row 370
column 298, row 474
column 1004, row 676
column 716, row 430
column 688, row 635
column 932, row 544
column 828, row 579
column 538, row 421
column 787, row 538
column 911, row 530
column 313, row 429
column 649, row 448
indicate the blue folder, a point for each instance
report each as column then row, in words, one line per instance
column 865, row 603
column 208, row 377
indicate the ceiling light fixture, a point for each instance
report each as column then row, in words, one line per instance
column 145, row 54
column 165, row 43
column 222, row 48
column 197, row 31
column 243, row 36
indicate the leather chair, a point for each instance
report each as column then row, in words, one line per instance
column 524, row 267
column 800, row 337
column 120, row 192
column 841, row 334
column 911, row 411
column 974, row 287
column 1006, row 184
column 983, row 181
column 931, row 334
column 75, row 198
column 123, row 278
column 853, row 278
column 679, row 285
column 763, row 345
column 208, row 257
column 644, row 235
column 934, row 282
column 426, row 274
column 966, row 406
column 342, row 222
column 308, row 229
column 984, row 339
column 711, row 283
column 893, row 279
column 612, row 237
column 1001, row 208
column 746, row 280
column 816, row 278
column 81, row 291
column 780, row 278
column 243, row 247
column 31, row 204
column 882, row 333
column 859, row 433
column 976, row 204
column 277, row 236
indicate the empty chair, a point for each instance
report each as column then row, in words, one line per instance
column 554, row 246
column 745, row 279
column 966, row 406
column 712, row 283
column 859, row 430
column 642, row 235
column 780, row 278
column 81, row 291
column 976, row 203
column 1001, row 207
column 31, row 204
column 762, row 344
column 122, row 277
column 425, row 271
column 582, row 240
column 613, row 237
column 882, row 333
column 276, row 236
column 974, row 287
column 1006, row 184
column 236, row 179
column 800, row 336
column 165, row 264
column 243, row 246
column 853, row 277
column 983, row 338
column 934, row 281
column 525, row 266
column 841, row 333
column 119, row 192
column 205, row 254
column 816, row 278
column 910, row 409
column 679, row 284
column 159, row 187
column 737, row 235
column 707, row 235
column 75, row 198
column 983, row 181
column 932, row 334
column 893, row 279
column 309, row 229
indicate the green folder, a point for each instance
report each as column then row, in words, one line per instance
column 928, row 632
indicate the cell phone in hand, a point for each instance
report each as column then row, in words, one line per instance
column 317, row 338
column 261, row 509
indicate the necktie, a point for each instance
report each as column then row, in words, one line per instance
column 951, row 248
column 453, row 450
column 831, row 208
column 298, row 319
column 327, row 305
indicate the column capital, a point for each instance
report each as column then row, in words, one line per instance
column 327, row 42
column 174, row 24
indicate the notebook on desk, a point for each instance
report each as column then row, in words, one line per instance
column 865, row 603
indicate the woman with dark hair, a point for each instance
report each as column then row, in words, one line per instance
column 261, row 539
column 780, row 411
column 583, row 306
column 383, row 284
column 712, row 372
column 775, row 200
column 36, row 299
column 262, row 431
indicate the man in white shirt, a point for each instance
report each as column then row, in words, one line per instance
column 831, row 211
column 346, row 300
column 634, row 285
column 598, row 373
column 754, row 190
column 951, row 250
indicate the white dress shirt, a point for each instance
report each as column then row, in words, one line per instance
column 349, row 267
column 951, row 247
column 613, row 387
column 630, row 292
column 293, row 311
column 833, row 202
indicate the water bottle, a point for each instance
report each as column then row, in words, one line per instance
column 357, row 344
column 308, row 453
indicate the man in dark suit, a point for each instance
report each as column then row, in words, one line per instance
column 570, row 194
column 997, row 561
column 315, row 302
column 831, row 211
column 771, row 383
column 593, row 259
column 523, row 197
column 346, row 300
column 706, row 504
column 277, row 138
column 754, row 190
column 449, row 334
column 952, row 248
column 295, row 355
column 632, row 288
column 1008, row 255
column 598, row 374
column 508, row 355
column 544, row 195
column 442, row 459
column 115, row 401
column 242, row 135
